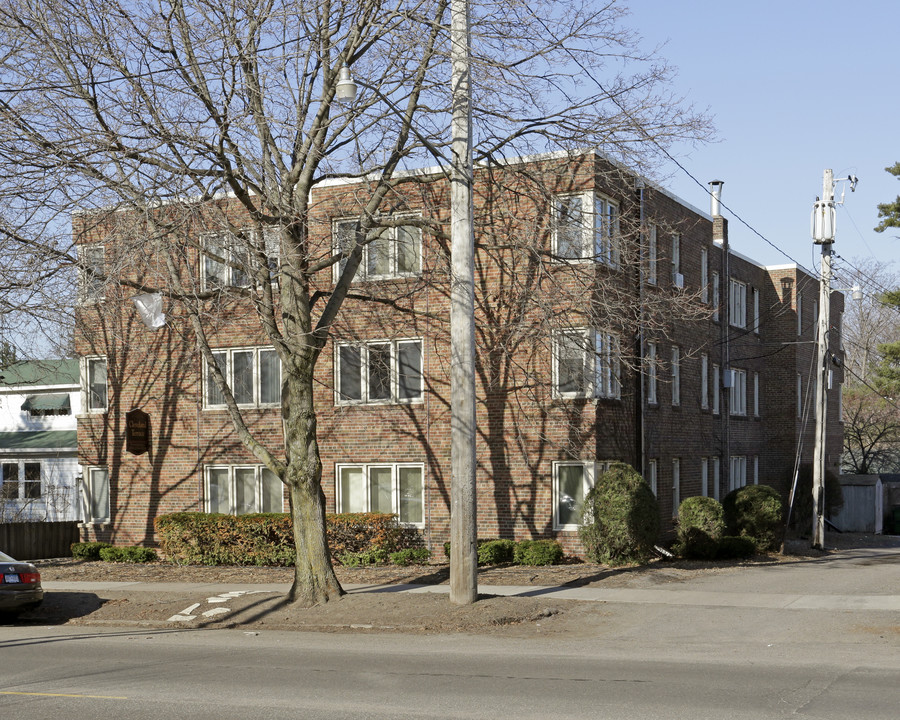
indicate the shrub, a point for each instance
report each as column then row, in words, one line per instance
column 363, row 557
column 128, row 554
column 701, row 522
column 801, row 515
column 755, row 511
column 411, row 556
column 538, row 552
column 495, row 552
column 88, row 550
column 731, row 547
column 621, row 518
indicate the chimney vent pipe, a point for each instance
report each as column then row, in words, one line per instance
column 715, row 197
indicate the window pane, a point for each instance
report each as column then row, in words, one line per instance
column 242, row 377
column 97, row 384
column 411, row 494
column 213, row 394
column 569, row 227
column 10, row 488
column 272, row 492
column 218, row 496
column 380, row 495
column 409, row 369
column 98, row 494
column 245, row 490
column 409, row 245
column 214, row 269
column 353, row 490
column 571, row 365
column 93, row 263
column 240, row 259
column 379, row 367
column 379, row 254
column 269, row 377
column 344, row 238
column 570, row 494
column 32, row 480
column 350, row 373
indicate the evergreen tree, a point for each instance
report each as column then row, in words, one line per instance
column 889, row 212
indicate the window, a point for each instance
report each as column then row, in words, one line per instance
column 652, row 256
column 704, row 477
column 95, row 495
column 586, row 364
column 715, row 296
column 738, row 476
column 20, row 480
column 676, row 375
column 737, row 309
column 253, row 374
column 242, row 489
column 92, row 271
column 390, row 252
column 571, row 483
column 229, row 259
column 384, row 488
column 93, row 383
column 755, row 294
column 799, row 313
column 704, row 275
column 586, row 227
column 651, row 373
column 676, row 260
column 381, row 371
column 704, row 382
column 716, row 389
column 756, row 469
column 651, row 475
column 715, row 477
column 676, row 486
column 738, row 396
column 756, row 394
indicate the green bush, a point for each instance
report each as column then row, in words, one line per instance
column 410, row 556
column 701, row 522
column 88, row 550
column 730, row 547
column 268, row 539
column 801, row 515
column 495, row 552
column 620, row 521
column 755, row 511
column 128, row 554
column 537, row 552
column 364, row 557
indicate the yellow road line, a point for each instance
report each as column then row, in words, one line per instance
column 93, row 697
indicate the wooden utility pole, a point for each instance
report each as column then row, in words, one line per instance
column 463, row 505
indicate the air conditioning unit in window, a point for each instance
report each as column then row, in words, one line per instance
column 678, row 279
column 727, row 378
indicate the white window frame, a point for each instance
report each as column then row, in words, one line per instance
column 94, row 475
column 756, row 469
column 676, row 486
column 676, row 376
column 210, row 390
column 755, row 298
column 390, row 234
column 738, row 392
column 22, row 497
column 737, row 308
column 704, row 275
column 676, row 256
column 396, row 496
column 652, row 256
column 716, row 389
column 259, row 473
column 704, row 477
column 591, row 470
column 652, row 374
column 652, row 475
column 89, row 399
column 715, row 296
column 233, row 246
column 601, row 360
column 343, row 397
column 737, row 476
column 599, row 229
column 755, row 394
column 91, row 289
column 799, row 313
column 704, row 382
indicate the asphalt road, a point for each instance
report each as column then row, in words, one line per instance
column 66, row 672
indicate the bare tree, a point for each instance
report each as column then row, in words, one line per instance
column 141, row 116
column 871, row 432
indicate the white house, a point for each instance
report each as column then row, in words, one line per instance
column 39, row 470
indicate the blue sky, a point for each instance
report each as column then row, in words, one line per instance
column 794, row 87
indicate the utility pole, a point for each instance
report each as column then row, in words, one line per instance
column 823, row 234
column 463, row 504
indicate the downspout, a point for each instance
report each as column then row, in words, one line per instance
column 640, row 444
column 720, row 237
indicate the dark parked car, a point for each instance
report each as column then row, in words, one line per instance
column 20, row 585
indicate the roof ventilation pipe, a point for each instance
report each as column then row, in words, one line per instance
column 715, row 197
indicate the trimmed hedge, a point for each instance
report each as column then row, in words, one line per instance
column 620, row 518
column 128, row 554
column 495, row 552
column 701, row 523
column 538, row 552
column 88, row 550
column 267, row 538
column 755, row 511
column 730, row 547
column 411, row 556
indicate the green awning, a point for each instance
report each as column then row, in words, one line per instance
column 39, row 440
column 48, row 402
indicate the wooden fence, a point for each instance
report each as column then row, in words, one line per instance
column 38, row 540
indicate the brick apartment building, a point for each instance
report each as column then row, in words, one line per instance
column 614, row 322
